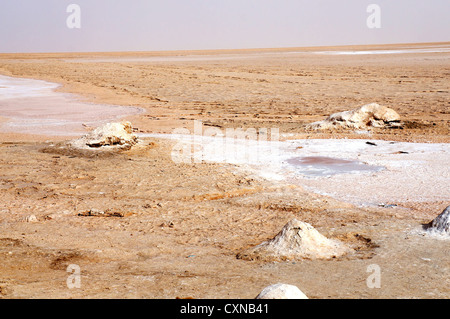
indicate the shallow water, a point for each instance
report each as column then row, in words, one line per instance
column 327, row 166
column 33, row 107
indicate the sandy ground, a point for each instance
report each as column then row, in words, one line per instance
column 266, row 89
column 173, row 230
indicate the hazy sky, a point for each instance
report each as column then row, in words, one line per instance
column 148, row 25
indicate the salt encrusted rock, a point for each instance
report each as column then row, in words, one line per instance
column 109, row 135
column 297, row 240
column 441, row 224
column 369, row 115
column 281, row 291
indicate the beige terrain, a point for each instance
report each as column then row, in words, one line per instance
column 174, row 230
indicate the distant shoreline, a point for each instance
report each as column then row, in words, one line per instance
column 25, row 55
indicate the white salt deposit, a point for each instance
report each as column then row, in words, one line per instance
column 402, row 172
column 281, row 291
column 297, row 240
column 15, row 88
column 414, row 172
column 374, row 52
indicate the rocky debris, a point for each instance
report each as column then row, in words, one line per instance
column 297, row 240
column 31, row 219
column 100, row 213
column 441, row 224
column 119, row 135
column 281, row 291
column 169, row 224
column 369, row 115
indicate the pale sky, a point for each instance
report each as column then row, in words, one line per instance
column 150, row 25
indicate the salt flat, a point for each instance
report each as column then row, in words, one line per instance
column 173, row 226
column 402, row 172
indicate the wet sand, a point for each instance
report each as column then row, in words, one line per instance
column 175, row 228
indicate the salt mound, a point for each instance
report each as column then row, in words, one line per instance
column 281, row 291
column 296, row 240
column 441, row 224
column 111, row 134
column 369, row 115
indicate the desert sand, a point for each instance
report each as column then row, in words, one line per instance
column 174, row 230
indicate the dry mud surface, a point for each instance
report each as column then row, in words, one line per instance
column 174, row 229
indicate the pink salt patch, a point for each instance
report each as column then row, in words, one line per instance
column 325, row 166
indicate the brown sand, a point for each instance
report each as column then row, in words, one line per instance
column 255, row 89
column 173, row 230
